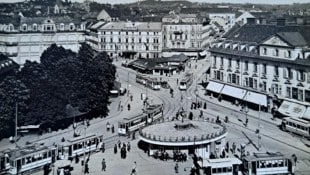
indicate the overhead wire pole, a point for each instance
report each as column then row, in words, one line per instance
column 84, row 147
column 258, row 136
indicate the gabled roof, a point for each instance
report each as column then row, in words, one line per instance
column 257, row 33
column 293, row 38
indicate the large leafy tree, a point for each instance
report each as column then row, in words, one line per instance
column 13, row 93
column 95, row 81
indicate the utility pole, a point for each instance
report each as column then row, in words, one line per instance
column 128, row 84
column 84, row 146
column 258, row 136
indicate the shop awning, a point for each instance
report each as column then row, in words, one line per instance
column 256, row 98
column 292, row 109
column 215, row 87
column 234, row 92
column 307, row 114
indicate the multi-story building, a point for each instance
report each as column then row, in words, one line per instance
column 183, row 33
column 265, row 65
column 127, row 39
column 25, row 38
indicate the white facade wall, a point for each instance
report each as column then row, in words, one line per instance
column 144, row 42
column 273, row 78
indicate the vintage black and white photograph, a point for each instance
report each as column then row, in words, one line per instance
column 154, row 87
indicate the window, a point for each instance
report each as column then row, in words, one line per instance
column 111, row 40
column 11, row 27
column 246, row 66
column 229, row 78
column 300, row 95
column 290, row 73
column 237, row 64
column 119, row 40
column 265, row 51
column 193, row 45
column 126, row 40
column 276, row 71
column 288, row 92
column 71, row 26
column 34, row 27
column 229, row 62
column 289, row 54
column 276, row 53
column 255, row 67
column 147, row 40
column 214, row 61
column 222, row 61
column 24, row 27
column 140, row 40
column 264, row 69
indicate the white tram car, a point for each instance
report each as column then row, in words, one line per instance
column 80, row 145
column 186, row 82
column 149, row 82
column 26, row 160
column 297, row 126
column 130, row 124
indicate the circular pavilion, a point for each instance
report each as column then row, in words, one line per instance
column 202, row 137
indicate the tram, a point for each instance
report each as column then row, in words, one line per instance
column 267, row 163
column 130, row 124
column 141, row 79
column 149, row 82
column 186, row 81
column 297, row 126
column 153, row 83
column 26, row 160
column 227, row 166
column 79, row 146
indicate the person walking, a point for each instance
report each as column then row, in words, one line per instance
column 134, row 169
column 104, row 166
column 115, row 149
column 86, row 171
column 176, row 167
column 128, row 146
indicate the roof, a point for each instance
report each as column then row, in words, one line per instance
column 140, row 26
column 265, row 156
column 56, row 19
column 257, row 32
column 251, row 55
column 293, row 38
column 15, row 20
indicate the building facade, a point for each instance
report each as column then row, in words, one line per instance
column 264, row 65
column 182, row 33
column 127, row 39
column 27, row 38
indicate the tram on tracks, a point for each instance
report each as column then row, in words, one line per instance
column 267, row 163
column 79, row 146
column 149, row 82
column 186, row 82
column 297, row 126
column 130, row 124
column 227, row 166
column 26, row 160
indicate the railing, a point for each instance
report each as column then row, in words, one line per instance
column 195, row 138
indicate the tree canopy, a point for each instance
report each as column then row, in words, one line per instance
column 43, row 90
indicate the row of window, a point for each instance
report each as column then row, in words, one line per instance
column 106, row 40
column 127, row 47
column 288, row 53
column 127, row 33
column 287, row 72
column 46, row 27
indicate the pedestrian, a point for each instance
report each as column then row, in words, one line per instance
column 234, row 147
column 176, row 167
column 128, row 146
column 86, row 171
column 134, row 168
column 119, row 143
column 112, row 129
column 104, row 166
column 115, row 149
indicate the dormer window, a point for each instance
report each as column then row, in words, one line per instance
column 62, row 26
column 11, row 27
column 71, row 26
column 34, row 27
column 24, row 27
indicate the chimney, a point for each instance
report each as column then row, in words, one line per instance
column 250, row 21
column 281, row 21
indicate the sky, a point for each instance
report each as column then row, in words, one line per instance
column 207, row 1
